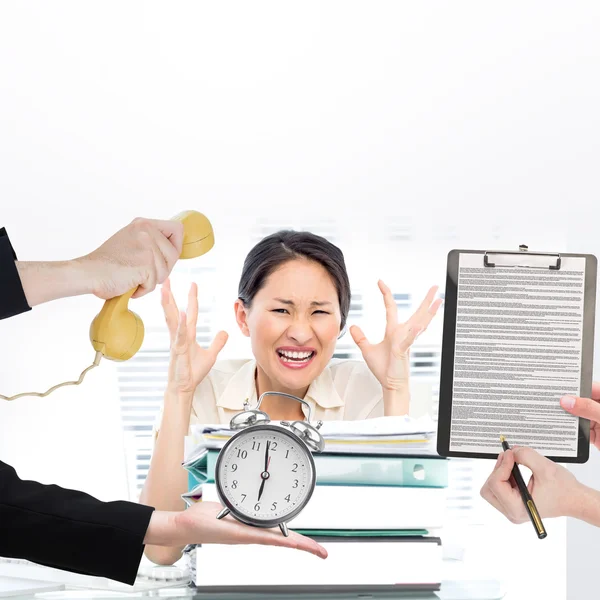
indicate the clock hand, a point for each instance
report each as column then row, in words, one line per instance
column 265, row 475
column 267, row 456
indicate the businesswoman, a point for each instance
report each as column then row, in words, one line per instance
column 293, row 303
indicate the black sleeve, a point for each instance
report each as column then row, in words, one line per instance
column 70, row 530
column 12, row 296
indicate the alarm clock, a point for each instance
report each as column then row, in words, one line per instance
column 265, row 473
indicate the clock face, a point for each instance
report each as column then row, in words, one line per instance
column 265, row 474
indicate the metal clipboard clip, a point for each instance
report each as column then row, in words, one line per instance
column 522, row 250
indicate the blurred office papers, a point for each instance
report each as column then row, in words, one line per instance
column 381, row 426
column 383, row 435
column 388, row 435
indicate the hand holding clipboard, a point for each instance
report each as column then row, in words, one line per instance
column 586, row 408
column 518, row 336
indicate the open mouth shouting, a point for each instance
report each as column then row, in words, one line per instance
column 295, row 357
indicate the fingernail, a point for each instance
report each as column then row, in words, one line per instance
column 567, row 402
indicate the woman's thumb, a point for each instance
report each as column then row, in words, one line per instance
column 219, row 342
column 360, row 339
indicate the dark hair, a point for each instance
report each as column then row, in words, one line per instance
column 281, row 247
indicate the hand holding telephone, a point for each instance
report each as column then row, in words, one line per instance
column 117, row 332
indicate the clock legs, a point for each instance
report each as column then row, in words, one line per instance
column 282, row 526
column 223, row 513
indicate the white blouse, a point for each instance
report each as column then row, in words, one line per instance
column 346, row 390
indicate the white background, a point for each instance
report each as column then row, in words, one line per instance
column 475, row 122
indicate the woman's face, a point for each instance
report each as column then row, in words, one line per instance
column 293, row 323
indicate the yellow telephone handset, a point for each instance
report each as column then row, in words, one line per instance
column 117, row 332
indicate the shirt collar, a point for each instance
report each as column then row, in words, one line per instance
column 242, row 386
column 239, row 387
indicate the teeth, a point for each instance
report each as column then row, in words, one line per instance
column 295, row 355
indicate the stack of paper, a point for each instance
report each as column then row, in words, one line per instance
column 381, row 490
column 384, row 435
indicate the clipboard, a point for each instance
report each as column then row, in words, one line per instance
column 518, row 335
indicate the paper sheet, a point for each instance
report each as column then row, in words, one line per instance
column 518, row 349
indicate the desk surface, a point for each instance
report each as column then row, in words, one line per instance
column 451, row 590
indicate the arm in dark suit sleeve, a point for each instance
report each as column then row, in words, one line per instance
column 54, row 526
column 12, row 296
column 70, row 530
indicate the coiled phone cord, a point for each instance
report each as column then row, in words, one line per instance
column 96, row 362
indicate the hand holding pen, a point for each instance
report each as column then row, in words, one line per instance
column 530, row 506
column 553, row 490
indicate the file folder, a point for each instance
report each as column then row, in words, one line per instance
column 352, row 469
